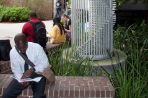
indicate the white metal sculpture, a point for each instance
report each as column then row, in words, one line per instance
column 92, row 27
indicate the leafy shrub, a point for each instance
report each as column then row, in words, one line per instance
column 1, row 12
column 120, row 2
column 14, row 14
column 128, row 38
column 132, row 81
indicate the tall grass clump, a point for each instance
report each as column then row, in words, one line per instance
column 131, row 81
column 68, row 64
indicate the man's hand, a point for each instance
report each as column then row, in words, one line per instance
column 28, row 73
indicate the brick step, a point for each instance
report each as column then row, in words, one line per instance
column 69, row 87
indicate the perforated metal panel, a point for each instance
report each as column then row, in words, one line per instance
column 92, row 27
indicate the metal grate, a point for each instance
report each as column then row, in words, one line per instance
column 92, row 27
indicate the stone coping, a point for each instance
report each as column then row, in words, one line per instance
column 118, row 57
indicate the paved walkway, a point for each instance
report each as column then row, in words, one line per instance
column 9, row 30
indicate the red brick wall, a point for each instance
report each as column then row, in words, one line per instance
column 69, row 87
column 44, row 8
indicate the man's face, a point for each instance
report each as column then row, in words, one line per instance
column 22, row 46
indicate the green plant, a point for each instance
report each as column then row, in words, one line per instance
column 1, row 2
column 127, row 38
column 1, row 12
column 128, row 81
column 131, row 81
column 69, row 65
column 120, row 2
column 14, row 14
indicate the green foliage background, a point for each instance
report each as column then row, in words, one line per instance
column 14, row 14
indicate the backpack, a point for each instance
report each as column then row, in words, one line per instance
column 40, row 33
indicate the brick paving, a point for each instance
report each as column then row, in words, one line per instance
column 69, row 87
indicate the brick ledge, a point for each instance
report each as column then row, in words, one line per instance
column 69, row 87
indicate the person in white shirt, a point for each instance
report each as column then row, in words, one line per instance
column 36, row 55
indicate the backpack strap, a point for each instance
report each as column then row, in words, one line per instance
column 25, row 58
column 33, row 25
column 39, row 31
column 34, row 29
